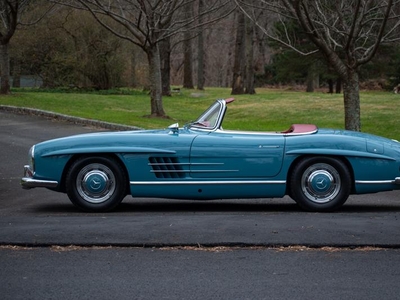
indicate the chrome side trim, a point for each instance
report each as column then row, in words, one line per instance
column 184, row 164
column 206, row 164
column 168, row 164
column 301, row 133
column 269, row 147
column 29, row 183
column 172, row 182
column 249, row 132
column 192, row 171
column 395, row 181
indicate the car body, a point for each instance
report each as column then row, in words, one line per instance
column 318, row 168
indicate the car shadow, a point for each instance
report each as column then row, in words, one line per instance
column 163, row 207
column 226, row 206
column 196, row 206
column 184, row 206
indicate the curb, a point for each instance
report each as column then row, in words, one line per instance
column 66, row 118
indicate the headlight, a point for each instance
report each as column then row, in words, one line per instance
column 31, row 158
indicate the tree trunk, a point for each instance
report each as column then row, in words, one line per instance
column 330, row 84
column 153, row 56
column 187, row 55
column 165, row 56
column 250, row 41
column 351, row 94
column 316, row 78
column 187, row 63
column 338, row 86
column 238, row 67
column 310, row 80
column 132, row 80
column 5, row 69
column 16, row 74
column 200, row 51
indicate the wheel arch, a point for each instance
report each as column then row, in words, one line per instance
column 301, row 157
column 75, row 157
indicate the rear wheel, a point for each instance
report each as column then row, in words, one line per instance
column 320, row 183
column 96, row 183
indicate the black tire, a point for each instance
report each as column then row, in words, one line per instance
column 320, row 184
column 96, row 184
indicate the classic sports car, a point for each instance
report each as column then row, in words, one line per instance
column 317, row 168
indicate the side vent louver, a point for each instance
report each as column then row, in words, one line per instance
column 166, row 167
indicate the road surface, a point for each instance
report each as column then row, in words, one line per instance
column 172, row 249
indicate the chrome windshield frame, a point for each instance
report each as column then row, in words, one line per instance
column 211, row 119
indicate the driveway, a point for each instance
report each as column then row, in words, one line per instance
column 170, row 249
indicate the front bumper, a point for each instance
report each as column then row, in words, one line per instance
column 397, row 180
column 28, row 182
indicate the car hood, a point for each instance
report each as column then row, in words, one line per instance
column 151, row 141
column 105, row 135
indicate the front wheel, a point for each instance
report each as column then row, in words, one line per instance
column 96, row 184
column 320, row 183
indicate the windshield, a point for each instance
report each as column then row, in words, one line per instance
column 210, row 119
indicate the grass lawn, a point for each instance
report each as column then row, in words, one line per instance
column 268, row 110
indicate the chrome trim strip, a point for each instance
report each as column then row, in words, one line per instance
column 184, row 164
column 208, row 182
column 191, row 171
column 29, row 183
column 169, row 171
column 206, row 164
column 168, row 164
column 395, row 181
column 269, row 147
column 262, row 133
column 301, row 133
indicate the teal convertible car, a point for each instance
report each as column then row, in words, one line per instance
column 317, row 168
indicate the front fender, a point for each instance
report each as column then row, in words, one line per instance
column 111, row 149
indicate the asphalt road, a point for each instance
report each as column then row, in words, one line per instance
column 171, row 249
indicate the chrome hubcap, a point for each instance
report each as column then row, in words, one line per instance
column 95, row 183
column 321, row 183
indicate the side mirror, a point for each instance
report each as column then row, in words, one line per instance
column 174, row 128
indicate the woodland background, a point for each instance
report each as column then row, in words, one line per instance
column 68, row 48
column 340, row 46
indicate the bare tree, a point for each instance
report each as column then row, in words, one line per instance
column 347, row 32
column 11, row 12
column 146, row 23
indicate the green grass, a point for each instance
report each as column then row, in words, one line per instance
column 268, row 110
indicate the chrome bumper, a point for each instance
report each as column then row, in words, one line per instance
column 397, row 180
column 27, row 182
